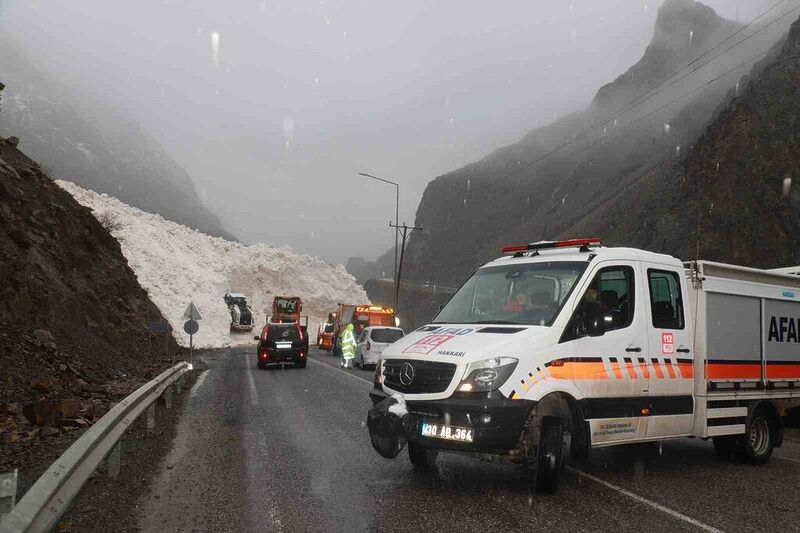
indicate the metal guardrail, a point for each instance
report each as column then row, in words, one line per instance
column 47, row 500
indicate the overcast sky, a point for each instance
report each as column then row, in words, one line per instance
column 302, row 95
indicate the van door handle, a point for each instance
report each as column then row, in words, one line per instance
column 683, row 350
column 633, row 349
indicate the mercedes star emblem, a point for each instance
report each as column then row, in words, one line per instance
column 406, row 374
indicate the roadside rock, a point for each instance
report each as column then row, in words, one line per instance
column 44, row 339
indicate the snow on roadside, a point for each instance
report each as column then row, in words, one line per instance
column 176, row 264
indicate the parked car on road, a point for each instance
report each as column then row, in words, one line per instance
column 371, row 343
column 282, row 344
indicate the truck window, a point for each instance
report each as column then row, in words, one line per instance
column 666, row 303
column 614, row 287
column 328, row 328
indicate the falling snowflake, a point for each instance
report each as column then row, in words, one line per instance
column 215, row 48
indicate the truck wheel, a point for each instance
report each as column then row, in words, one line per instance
column 301, row 364
column 550, row 456
column 755, row 447
column 725, row 446
column 421, row 457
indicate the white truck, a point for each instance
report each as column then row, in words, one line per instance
column 560, row 347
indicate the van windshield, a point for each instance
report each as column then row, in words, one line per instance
column 525, row 294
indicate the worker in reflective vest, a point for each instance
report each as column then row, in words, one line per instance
column 348, row 342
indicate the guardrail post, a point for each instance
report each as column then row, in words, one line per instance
column 8, row 493
column 178, row 386
column 168, row 397
column 114, row 460
column 151, row 418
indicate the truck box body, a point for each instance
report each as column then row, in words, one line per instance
column 747, row 343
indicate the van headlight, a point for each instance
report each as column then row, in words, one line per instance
column 488, row 374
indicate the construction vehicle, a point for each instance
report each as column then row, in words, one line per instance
column 286, row 309
column 242, row 318
column 361, row 316
column 325, row 334
column 561, row 347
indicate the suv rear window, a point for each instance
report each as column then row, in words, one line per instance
column 386, row 335
column 283, row 332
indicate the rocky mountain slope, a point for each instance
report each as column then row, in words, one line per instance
column 545, row 184
column 73, row 317
column 95, row 145
column 736, row 195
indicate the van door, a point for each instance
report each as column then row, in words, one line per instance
column 606, row 367
column 669, row 352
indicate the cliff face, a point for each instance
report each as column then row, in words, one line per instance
column 736, row 196
column 557, row 176
column 69, row 303
column 95, row 146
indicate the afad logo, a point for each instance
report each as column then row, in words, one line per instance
column 430, row 342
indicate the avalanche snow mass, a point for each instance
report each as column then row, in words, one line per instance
column 176, row 264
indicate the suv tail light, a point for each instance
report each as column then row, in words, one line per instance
column 264, row 355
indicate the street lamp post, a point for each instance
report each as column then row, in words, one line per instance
column 396, row 221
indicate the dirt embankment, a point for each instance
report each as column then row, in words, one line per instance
column 73, row 317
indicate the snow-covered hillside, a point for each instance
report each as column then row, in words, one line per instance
column 176, row 264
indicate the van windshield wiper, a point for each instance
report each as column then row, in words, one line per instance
column 503, row 322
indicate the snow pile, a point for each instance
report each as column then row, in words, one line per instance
column 176, row 265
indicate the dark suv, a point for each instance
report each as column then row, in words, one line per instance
column 282, row 344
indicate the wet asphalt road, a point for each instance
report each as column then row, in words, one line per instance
column 288, row 450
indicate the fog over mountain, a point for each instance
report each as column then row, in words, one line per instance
column 274, row 107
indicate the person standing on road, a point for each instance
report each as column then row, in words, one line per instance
column 348, row 342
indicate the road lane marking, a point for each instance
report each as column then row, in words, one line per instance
column 339, row 370
column 673, row 513
column 198, row 384
column 782, row 458
column 252, row 382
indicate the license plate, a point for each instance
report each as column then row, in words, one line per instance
column 438, row 431
column 283, row 345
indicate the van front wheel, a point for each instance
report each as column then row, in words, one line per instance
column 550, row 456
column 421, row 457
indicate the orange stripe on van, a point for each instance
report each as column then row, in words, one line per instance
column 687, row 369
column 617, row 370
column 578, row 370
column 631, row 370
column 645, row 369
column 670, row 368
column 732, row 371
column 657, row 368
column 790, row 371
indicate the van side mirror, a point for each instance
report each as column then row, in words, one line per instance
column 256, row 338
column 594, row 324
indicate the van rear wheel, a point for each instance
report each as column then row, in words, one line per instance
column 755, row 447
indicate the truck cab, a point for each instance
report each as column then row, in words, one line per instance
column 554, row 343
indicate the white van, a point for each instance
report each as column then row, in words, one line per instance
column 559, row 347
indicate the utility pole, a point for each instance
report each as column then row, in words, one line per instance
column 405, row 229
column 396, row 212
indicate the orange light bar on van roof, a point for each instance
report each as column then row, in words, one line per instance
column 545, row 245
